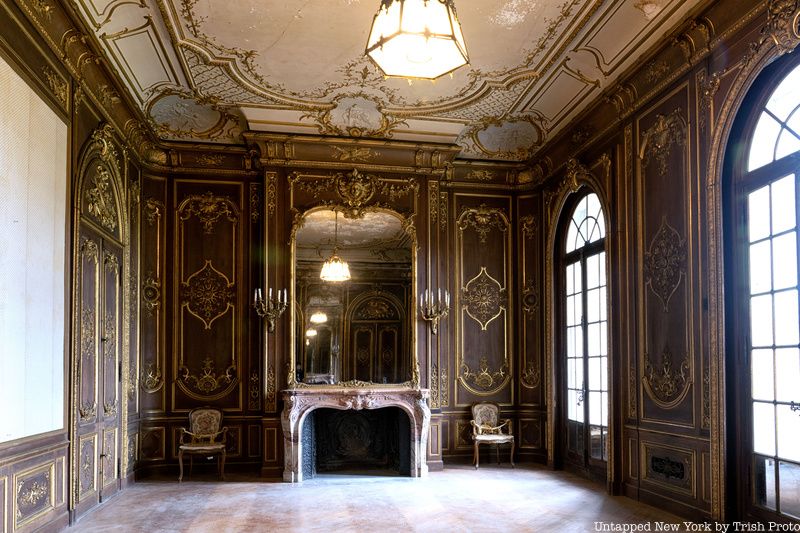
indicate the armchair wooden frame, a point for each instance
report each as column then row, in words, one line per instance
column 486, row 430
column 205, row 438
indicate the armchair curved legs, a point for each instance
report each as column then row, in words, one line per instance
column 476, row 454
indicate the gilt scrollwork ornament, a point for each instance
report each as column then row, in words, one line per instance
column 434, row 386
column 484, row 378
column 530, row 299
column 707, row 86
column 353, row 154
column 208, row 381
column 57, row 85
column 666, row 385
column 663, row 263
column 444, row 398
column 29, row 496
column 209, row 209
column 100, row 201
column 254, row 395
column 632, row 381
column 153, row 209
column 356, row 190
column 208, row 294
column 270, row 397
column 483, row 219
column 483, row 298
column 151, row 380
column 255, row 203
column 528, row 226
column 86, row 476
column 706, row 422
column 657, row 141
column 782, row 24
column 272, row 192
column 531, row 376
column 433, row 201
column 151, row 295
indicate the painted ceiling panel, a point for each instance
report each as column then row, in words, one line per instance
column 206, row 70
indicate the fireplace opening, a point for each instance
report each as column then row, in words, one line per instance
column 368, row 441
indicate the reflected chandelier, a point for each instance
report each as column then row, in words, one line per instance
column 335, row 269
column 417, row 38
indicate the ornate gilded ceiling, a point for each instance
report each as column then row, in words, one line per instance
column 206, row 70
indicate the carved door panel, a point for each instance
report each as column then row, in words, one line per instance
column 98, row 311
column 363, row 344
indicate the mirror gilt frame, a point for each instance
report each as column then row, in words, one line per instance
column 407, row 224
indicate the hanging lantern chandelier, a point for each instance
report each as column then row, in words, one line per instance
column 417, row 38
column 335, row 269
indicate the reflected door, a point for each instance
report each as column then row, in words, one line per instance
column 773, row 350
column 586, row 340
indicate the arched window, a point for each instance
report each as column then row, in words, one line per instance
column 764, row 334
column 585, row 346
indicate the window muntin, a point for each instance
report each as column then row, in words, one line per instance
column 777, row 132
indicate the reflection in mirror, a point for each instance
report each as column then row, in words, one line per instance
column 357, row 329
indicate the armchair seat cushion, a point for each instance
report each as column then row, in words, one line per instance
column 202, row 448
column 497, row 439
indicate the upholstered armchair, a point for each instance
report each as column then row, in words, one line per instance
column 487, row 429
column 205, row 436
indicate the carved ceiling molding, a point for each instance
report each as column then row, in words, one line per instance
column 208, row 294
column 657, row 141
column 666, row 385
column 664, row 262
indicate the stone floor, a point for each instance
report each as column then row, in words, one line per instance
column 459, row 499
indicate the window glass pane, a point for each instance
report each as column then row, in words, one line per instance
column 761, row 320
column 784, row 99
column 789, row 475
column 592, row 272
column 593, row 305
column 603, row 304
column 760, row 267
column 601, row 222
column 579, row 380
column 788, row 433
column 602, row 260
column 569, row 279
column 593, row 338
column 763, row 144
column 570, row 341
column 572, row 237
column 571, row 373
column 595, row 401
column 578, row 277
column 786, row 320
column 763, row 375
column 763, row 428
column 595, row 374
column 604, row 338
column 783, row 205
column 758, row 214
column 784, row 253
column 571, row 310
column 579, row 345
column 604, row 374
column 787, row 144
column 787, row 375
column 765, row 482
column 605, row 408
column 572, row 405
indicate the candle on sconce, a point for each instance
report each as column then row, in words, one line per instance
column 285, row 298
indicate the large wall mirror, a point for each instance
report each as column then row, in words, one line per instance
column 359, row 331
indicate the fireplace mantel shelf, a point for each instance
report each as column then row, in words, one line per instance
column 297, row 403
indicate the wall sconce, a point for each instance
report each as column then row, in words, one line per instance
column 272, row 308
column 434, row 307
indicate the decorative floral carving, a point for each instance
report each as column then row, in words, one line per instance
column 270, row 389
column 209, row 209
column 272, row 192
column 663, row 262
column 375, row 309
column 354, row 154
column 208, row 294
column 255, row 203
column 100, row 201
column 483, row 296
column 666, row 385
column 484, row 378
column 86, row 475
column 528, row 226
column 655, row 70
column 658, row 139
column 708, row 87
column 480, row 175
column 433, row 201
column 152, row 380
column 444, row 399
column 530, row 298
column 210, row 160
column 57, row 85
column 434, row 386
column 153, row 209
column 254, row 393
column 443, row 210
column 782, row 24
column 208, row 382
column 355, row 190
column 109, row 456
column 151, row 295
column 31, row 495
column 531, row 376
column 706, row 423
column 482, row 219
column 632, row 381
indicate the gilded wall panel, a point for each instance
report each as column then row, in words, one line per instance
column 671, row 468
column 664, row 249
column 483, row 299
column 529, row 242
column 152, row 444
column 208, row 293
column 34, row 494
column 87, row 467
column 530, row 433
column 88, row 324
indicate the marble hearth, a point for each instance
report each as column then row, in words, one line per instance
column 298, row 403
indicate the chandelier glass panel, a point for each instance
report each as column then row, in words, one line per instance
column 417, row 38
column 335, row 269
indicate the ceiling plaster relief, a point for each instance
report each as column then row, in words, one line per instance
column 239, row 62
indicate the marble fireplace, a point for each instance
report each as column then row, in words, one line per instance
column 299, row 403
